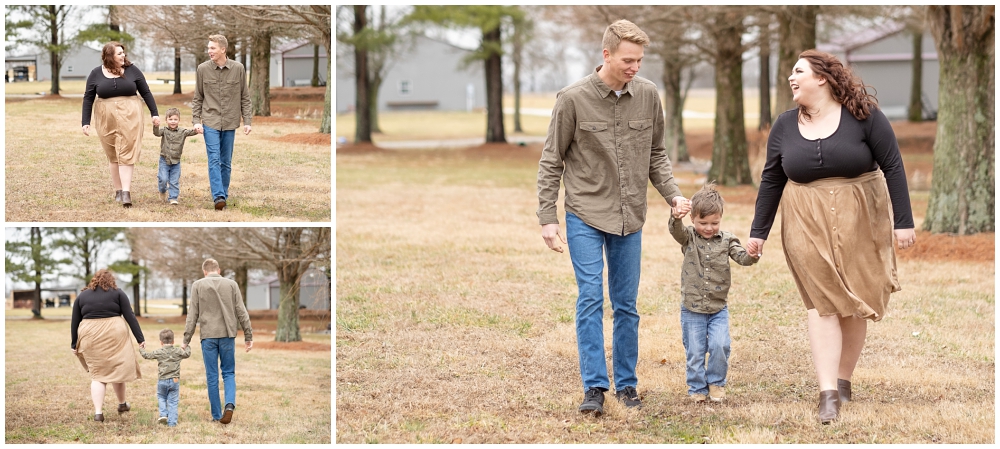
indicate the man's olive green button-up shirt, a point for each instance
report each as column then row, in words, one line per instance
column 606, row 149
column 221, row 96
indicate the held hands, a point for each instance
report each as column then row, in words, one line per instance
column 755, row 247
column 199, row 128
column 156, row 120
column 184, row 346
column 86, row 132
column 142, row 345
column 905, row 238
column 552, row 237
column 681, row 207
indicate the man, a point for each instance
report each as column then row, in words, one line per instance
column 217, row 306
column 221, row 97
column 605, row 142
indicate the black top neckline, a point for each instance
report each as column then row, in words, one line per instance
column 840, row 124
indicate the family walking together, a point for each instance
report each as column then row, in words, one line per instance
column 833, row 166
column 100, row 327
column 112, row 102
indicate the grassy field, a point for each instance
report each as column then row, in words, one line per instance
column 409, row 125
column 281, row 171
column 455, row 324
column 282, row 391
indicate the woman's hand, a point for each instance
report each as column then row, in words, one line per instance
column 905, row 238
column 755, row 247
column 142, row 345
column 156, row 120
column 73, row 349
column 86, row 130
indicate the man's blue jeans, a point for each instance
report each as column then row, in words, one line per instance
column 219, row 352
column 168, row 394
column 219, row 147
column 587, row 248
column 701, row 333
column 169, row 177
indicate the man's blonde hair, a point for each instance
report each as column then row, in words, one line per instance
column 210, row 266
column 623, row 30
column 220, row 40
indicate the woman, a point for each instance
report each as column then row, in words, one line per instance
column 117, row 114
column 841, row 163
column 101, row 340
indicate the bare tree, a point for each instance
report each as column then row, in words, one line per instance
column 182, row 28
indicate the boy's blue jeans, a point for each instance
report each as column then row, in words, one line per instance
column 587, row 249
column 169, row 176
column 701, row 333
column 168, row 394
column 219, row 352
column 219, row 147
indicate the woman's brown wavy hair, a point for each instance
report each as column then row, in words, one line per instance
column 104, row 279
column 108, row 58
column 846, row 87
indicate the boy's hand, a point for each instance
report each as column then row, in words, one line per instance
column 142, row 345
column 681, row 207
column 197, row 127
column 755, row 247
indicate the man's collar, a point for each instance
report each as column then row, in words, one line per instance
column 602, row 87
column 224, row 66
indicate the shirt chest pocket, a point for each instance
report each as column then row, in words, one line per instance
column 594, row 136
column 641, row 134
column 231, row 87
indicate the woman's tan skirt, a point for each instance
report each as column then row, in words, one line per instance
column 104, row 347
column 839, row 244
column 119, row 123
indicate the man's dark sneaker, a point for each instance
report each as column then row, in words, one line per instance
column 220, row 203
column 228, row 414
column 593, row 401
column 629, row 397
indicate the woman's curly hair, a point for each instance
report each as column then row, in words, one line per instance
column 103, row 279
column 846, row 87
column 108, row 58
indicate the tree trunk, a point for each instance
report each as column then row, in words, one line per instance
column 796, row 33
column 177, row 69
column 494, row 87
column 374, row 84
column 242, row 278
column 362, row 113
column 184, row 297
column 916, row 113
column 314, row 82
column 260, row 68
column 765, row 72
column 36, row 256
column 517, row 56
column 962, row 197
column 136, row 280
column 54, row 58
column 730, row 164
column 324, row 124
column 673, row 108
column 289, row 277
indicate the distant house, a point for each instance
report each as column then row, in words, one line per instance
column 292, row 64
column 35, row 65
column 883, row 58
column 430, row 76
column 314, row 292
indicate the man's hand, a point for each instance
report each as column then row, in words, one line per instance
column 86, row 130
column 184, row 346
column 552, row 237
column 199, row 128
column 246, row 131
column 681, row 207
column 249, row 345
column 755, row 247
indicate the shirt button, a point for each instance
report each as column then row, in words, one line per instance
column 834, row 228
column 832, row 208
column 831, row 192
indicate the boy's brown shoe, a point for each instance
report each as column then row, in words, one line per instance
column 227, row 415
column 716, row 393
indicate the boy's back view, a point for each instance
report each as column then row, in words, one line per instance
column 169, row 366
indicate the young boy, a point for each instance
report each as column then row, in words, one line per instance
column 168, row 388
column 171, row 147
column 705, row 287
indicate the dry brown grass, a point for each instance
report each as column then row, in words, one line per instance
column 455, row 323
column 55, row 173
column 282, row 395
